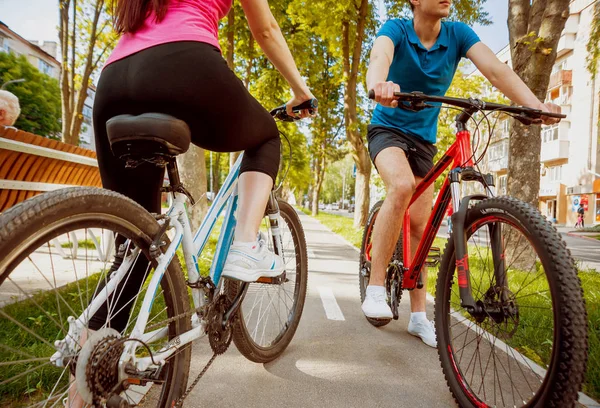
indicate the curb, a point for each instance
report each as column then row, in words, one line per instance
column 577, row 235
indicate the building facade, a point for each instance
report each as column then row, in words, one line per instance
column 42, row 56
column 570, row 152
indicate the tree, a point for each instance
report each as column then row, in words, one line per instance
column 534, row 30
column 39, row 96
column 593, row 45
column 193, row 176
column 86, row 39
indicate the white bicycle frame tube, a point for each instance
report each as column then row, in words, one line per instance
column 192, row 247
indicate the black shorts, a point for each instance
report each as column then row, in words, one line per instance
column 419, row 153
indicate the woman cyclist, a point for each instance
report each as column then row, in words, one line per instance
column 168, row 60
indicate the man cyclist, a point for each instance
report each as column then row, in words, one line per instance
column 421, row 54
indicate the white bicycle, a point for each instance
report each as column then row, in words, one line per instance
column 67, row 254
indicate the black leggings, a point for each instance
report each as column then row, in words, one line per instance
column 192, row 82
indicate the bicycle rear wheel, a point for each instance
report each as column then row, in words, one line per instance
column 529, row 346
column 270, row 313
column 56, row 252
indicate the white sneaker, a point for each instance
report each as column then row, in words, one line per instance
column 248, row 263
column 375, row 305
column 423, row 329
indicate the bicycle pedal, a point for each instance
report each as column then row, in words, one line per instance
column 276, row 280
column 433, row 257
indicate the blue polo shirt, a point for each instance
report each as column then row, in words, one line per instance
column 415, row 68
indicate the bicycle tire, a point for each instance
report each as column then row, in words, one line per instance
column 566, row 370
column 363, row 280
column 42, row 217
column 241, row 334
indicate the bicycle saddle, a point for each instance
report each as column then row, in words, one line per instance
column 147, row 136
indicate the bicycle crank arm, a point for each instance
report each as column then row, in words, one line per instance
column 236, row 303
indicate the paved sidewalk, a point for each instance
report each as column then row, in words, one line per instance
column 330, row 363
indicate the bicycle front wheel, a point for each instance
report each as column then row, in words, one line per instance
column 57, row 251
column 270, row 312
column 528, row 346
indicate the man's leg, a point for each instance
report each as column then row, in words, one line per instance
column 420, row 211
column 399, row 181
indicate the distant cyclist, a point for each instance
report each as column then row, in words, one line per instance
column 421, row 54
column 580, row 217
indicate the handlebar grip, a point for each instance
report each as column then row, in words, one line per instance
column 371, row 94
column 311, row 105
column 553, row 115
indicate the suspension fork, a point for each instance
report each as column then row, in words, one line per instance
column 460, row 242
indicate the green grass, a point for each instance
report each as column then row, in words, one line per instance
column 531, row 341
column 595, row 228
column 340, row 225
column 85, row 244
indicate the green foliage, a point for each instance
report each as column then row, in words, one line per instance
column 39, row 96
column 593, row 45
column 465, row 86
column 333, row 184
column 467, row 11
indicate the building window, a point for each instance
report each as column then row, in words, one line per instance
column 550, row 133
column 44, row 67
column 502, row 185
column 561, row 66
column 555, row 173
column 4, row 45
column 498, row 151
column 87, row 115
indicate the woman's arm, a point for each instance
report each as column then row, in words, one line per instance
column 268, row 35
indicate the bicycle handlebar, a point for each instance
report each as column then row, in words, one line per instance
column 280, row 112
column 418, row 101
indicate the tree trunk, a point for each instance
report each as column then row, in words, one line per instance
column 216, row 173
column 231, row 37
column 233, row 156
column 63, row 30
column 192, row 169
column 73, row 99
column 534, row 30
column 318, row 182
column 250, row 65
column 359, row 154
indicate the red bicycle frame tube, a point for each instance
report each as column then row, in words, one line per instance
column 458, row 155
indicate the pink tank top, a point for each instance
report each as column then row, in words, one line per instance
column 186, row 20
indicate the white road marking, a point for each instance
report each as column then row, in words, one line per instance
column 332, row 309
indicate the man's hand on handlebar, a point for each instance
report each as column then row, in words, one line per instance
column 549, row 107
column 384, row 93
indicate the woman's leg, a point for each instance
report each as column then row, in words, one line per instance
column 192, row 82
column 253, row 188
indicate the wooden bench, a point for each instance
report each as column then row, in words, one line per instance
column 31, row 165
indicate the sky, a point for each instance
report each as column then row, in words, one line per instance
column 38, row 20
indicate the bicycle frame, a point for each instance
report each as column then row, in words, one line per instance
column 192, row 245
column 460, row 157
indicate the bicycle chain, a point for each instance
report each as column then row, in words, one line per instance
column 202, row 309
column 179, row 402
column 176, row 317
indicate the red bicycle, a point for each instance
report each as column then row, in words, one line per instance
column 510, row 318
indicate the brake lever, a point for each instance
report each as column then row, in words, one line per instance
column 527, row 121
column 414, row 106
